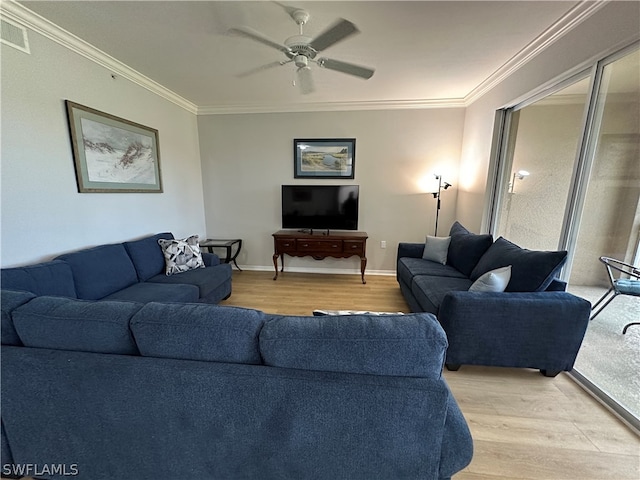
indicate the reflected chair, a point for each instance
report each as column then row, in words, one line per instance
column 619, row 286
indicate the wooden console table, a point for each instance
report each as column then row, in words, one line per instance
column 319, row 246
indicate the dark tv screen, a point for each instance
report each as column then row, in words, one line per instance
column 321, row 207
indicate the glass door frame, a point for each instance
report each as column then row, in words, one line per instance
column 586, row 158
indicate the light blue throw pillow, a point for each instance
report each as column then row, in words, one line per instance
column 436, row 249
column 493, row 281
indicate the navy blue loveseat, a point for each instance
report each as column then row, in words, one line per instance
column 534, row 323
column 129, row 271
column 113, row 390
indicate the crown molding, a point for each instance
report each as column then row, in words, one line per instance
column 568, row 22
column 333, row 106
column 22, row 15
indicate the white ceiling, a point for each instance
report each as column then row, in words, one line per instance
column 424, row 52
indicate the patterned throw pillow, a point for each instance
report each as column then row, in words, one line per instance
column 181, row 255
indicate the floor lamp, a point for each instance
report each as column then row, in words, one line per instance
column 441, row 186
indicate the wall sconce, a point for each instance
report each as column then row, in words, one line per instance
column 520, row 175
column 441, row 186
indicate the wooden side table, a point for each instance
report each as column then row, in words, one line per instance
column 211, row 243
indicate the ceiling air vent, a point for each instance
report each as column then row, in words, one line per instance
column 14, row 35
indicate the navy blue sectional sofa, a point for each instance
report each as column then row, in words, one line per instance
column 534, row 323
column 109, row 389
column 129, row 271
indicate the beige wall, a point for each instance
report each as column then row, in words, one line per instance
column 42, row 212
column 246, row 158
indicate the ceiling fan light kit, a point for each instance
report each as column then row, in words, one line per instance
column 302, row 50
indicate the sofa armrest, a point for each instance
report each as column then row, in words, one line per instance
column 210, row 259
column 413, row 250
column 526, row 307
column 539, row 330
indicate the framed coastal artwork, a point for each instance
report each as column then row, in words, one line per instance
column 112, row 154
column 324, row 158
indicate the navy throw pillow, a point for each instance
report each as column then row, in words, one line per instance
column 531, row 270
column 466, row 248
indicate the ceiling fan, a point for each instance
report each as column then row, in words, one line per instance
column 302, row 50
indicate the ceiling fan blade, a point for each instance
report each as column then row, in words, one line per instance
column 305, row 80
column 261, row 68
column 339, row 31
column 290, row 10
column 348, row 68
column 252, row 34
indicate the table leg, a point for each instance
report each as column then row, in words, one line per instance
column 363, row 265
column 275, row 265
column 227, row 258
column 235, row 255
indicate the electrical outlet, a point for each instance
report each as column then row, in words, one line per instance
column 383, row 244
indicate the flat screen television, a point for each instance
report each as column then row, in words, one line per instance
column 320, row 207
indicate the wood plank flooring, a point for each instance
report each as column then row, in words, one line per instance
column 524, row 426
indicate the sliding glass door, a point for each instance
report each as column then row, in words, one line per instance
column 609, row 225
column 543, row 145
column 567, row 176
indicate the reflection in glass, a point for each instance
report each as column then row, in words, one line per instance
column 544, row 142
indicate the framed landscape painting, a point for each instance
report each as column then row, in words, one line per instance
column 112, row 154
column 324, row 158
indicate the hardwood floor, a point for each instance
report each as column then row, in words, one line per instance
column 524, row 426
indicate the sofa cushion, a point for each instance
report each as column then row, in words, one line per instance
column 101, row 271
column 409, row 267
column 181, row 255
column 146, row 255
column 206, row 279
column 466, row 248
column 429, row 291
column 198, row 332
column 146, row 292
column 10, row 300
column 436, row 248
column 531, row 270
column 48, row 278
column 628, row 286
column 401, row 345
column 493, row 281
column 68, row 324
